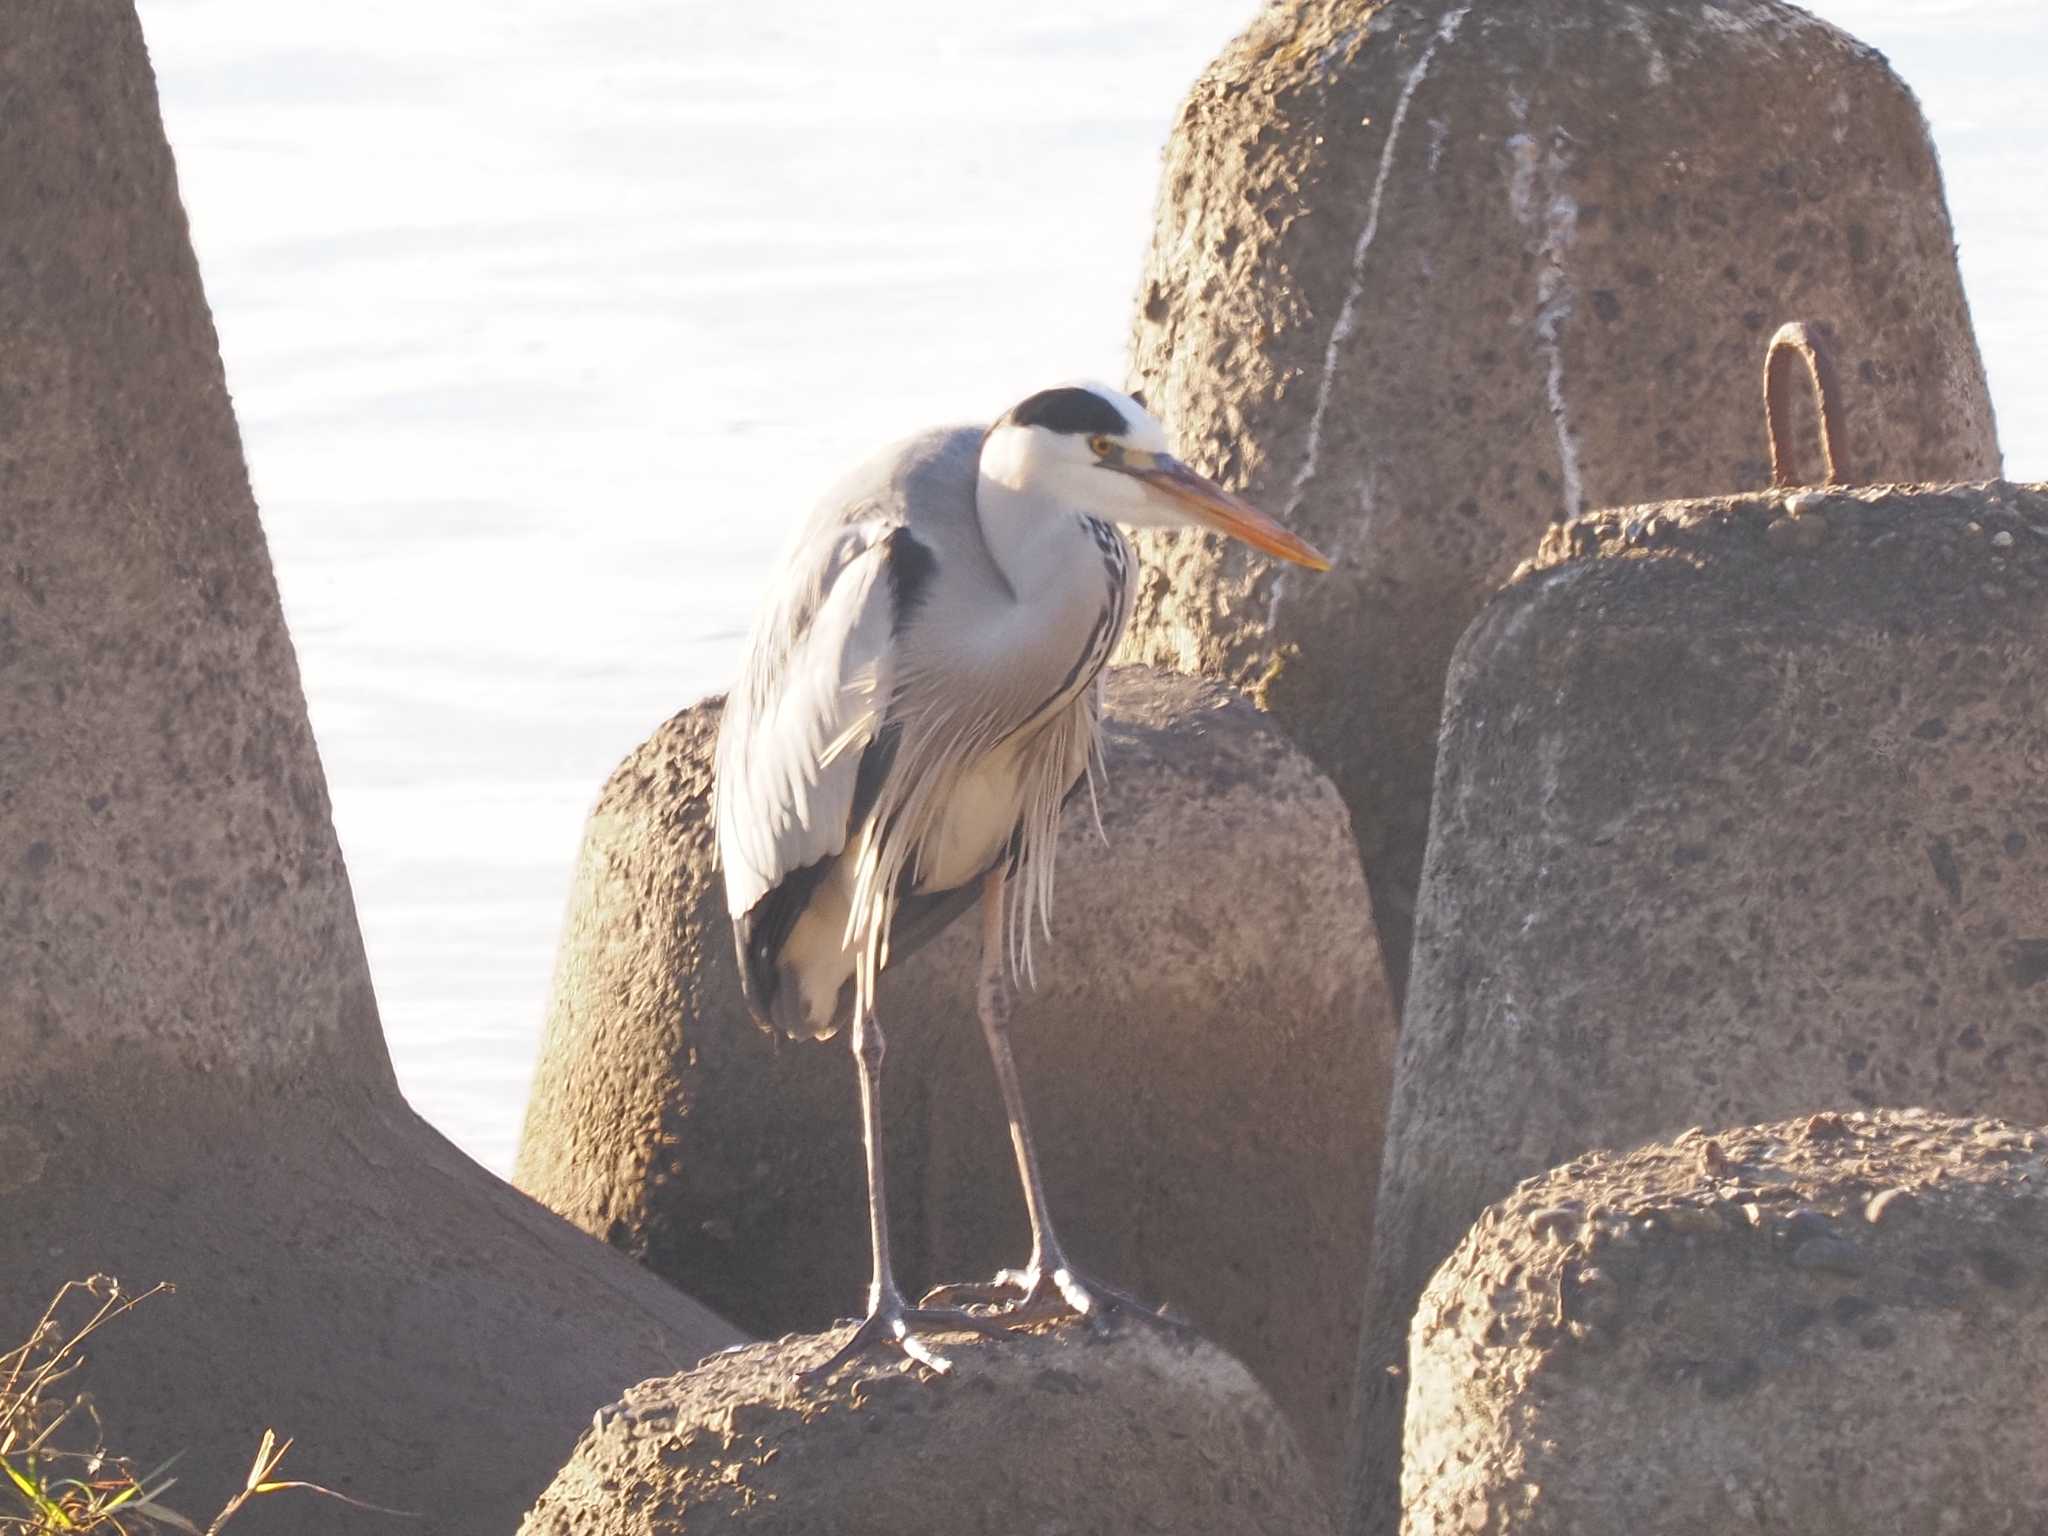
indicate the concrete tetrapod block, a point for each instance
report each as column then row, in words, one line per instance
column 1428, row 277
column 1204, row 1057
column 1742, row 811
column 195, row 1086
column 1830, row 1325
column 1057, row 1431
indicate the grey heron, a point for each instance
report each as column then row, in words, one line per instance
column 920, row 694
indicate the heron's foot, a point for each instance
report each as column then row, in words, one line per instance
column 891, row 1325
column 1051, row 1290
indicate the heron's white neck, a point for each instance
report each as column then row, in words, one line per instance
column 1035, row 535
column 1033, row 540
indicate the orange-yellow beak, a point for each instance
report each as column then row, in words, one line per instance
column 1213, row 507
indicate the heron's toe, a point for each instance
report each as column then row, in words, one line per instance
column 1051, row 1291
column 893, row 1325
column 1100, row 1302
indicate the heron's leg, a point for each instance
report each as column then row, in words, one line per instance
column 992, row 1002
column 868, row 1050
column 889, row 1320
column 1047, row 1277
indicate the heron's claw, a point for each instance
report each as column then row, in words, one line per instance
column 890, row 1325
column 1048, row 1291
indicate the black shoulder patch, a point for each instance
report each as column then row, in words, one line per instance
column 1068, row 410
column 911, row 567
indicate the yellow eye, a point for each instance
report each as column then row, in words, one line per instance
column 1100, row 446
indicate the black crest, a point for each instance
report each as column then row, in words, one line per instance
column 1079, row 411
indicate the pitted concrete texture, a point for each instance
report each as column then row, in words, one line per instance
column 1056, row 1430
column 1430, row 276
column 195, row 1085
column 1741, row 812
column 1832, row 1325
column 1204, row 1059
column 167, row 866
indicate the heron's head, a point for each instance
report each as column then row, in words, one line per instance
column 1096, row 451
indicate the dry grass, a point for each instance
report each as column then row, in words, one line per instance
column 56, row 1473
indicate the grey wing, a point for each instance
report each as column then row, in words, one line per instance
column 808, row 741
column 805, row 740
column 810, row 699
column 818, row 670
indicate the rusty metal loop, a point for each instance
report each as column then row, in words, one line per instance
column 1795, row 341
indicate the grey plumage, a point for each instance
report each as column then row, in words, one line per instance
column 857, row 710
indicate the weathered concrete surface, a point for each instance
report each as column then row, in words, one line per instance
column 1741, row 813
column 1205, row 1059
column 432, row 1338
column 1428, row 277
column 1054, row 1431
column 1830, row 1325
column 195, row 1085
